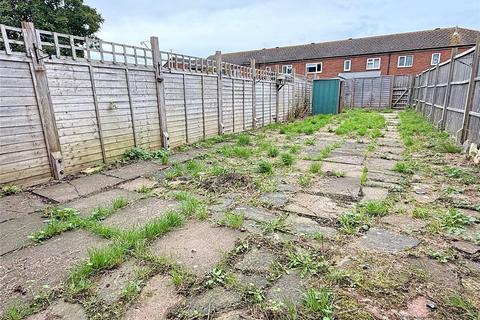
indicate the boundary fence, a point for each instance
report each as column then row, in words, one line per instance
column 68, row 103
column 377, row 92
column 448, row 95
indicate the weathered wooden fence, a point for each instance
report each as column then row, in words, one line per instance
column 91, row 100
column 376, row 92
column 448, row 95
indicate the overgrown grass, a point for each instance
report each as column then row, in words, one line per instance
column 454, row 221
column 276, row 225
column 236, row 151
column 244, row 140
column 360, row 122
column 326, row 151
column 136, row 153
column 233, row 219
column 265, row 167
column 315, row 167
column 374, row 208
column 465, row 310
column 306, row 262
column 319, row 302
column 351, row 222
column 417, row 133
column 272, row 152
column 287, row 159
column 192, row 206
column 464, row 176
column 306, row 126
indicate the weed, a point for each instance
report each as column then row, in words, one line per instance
column 463, row 175
column 306, row 262
column 452, row 190
column 9, row 190
column 119, row 203
column 175, row 171
column 358, row 122
column 442, row 256
column 352, row 221
column 193, row 167
column 374, row 208
column 243, row 140
column 143, row 189
column 132, row 289
column 454, row 221
column 448, row 146
column 408, row 167
column 136, row 153
column 320, row 302
column 265, row 167
column 17, row 312
column 315, row 167
column 53, row 228
column 336, row 174
column 306, row 126
column 191, row 206
column 275, row 271
column 310, row 141
column 376, row 133
column 275, row 225
column 272, row 152
column 421, row 212
column 305, row 180
column 179, row 276
column 233, row 219
column 464, row 308
column 255, row 294
column 294, row 149
column 101, row 213
column 363, row 177
column 287, row 159
column 326, row 151
column 217, row 277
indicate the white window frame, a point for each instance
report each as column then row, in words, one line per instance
column 439, row 57
column 405, row 61
column 372, row 60
column 287, row 69
column 349, row 65
column 316, row 64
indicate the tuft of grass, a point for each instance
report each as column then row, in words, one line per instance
column 463, row 175
column 193, row 168
column 131, row 290
column 272, row 152
column 177, row 170
column 310, row 141
column 9, row 190
column 60, row 220
column 275, row 225
column 464, row 309
column 305, row 180
column 161, row 225
column 315, row 167
column 295, row 149
column 233, row 219
column 454, row 221
column 265, row 167
column 408, row 167
column 306, row 126
column 374, row 208
column 179, row 276
column 326, row 151
column 363, row 177
column 191, row 206
column 319, row 302
column 244, row 140
column 236, row 151
column 360, row 122
column 287, row 159
column 421, row 213
column 306, row 262
column 17, row 312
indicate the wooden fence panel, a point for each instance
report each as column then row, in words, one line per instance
column 194, row 108
column 211, row 106
column 23, row 152
column 227, row 94
column 248, row 104
column 175, row 108
column 259, row 87
column 75, row 113
column 239, row 105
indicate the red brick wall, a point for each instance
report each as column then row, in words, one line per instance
column 331, row 67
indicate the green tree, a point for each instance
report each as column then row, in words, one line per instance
column 64, row 16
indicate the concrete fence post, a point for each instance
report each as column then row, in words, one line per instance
column 218, row 59
column 254, row 94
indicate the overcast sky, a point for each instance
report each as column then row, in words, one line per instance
column 199, row 27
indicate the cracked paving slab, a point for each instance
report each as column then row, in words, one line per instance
column 69, row 190
column 30, row 270
column 135, row 170
column 17, row 205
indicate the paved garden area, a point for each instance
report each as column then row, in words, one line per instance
column 364, row 215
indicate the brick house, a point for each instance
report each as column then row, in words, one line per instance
column 395, row 54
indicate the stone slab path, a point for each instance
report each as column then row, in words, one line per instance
column 265, row 242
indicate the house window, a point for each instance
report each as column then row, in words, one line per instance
column 347, row 65
column 435, row 59
column 287, row 69
column 373, row 63
column 268, row 68
column 314, row 67
column 405, row 61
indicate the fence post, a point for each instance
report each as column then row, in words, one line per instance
column 446, row 100
column 254, row 94
column 44, row 101
column 470, row 92
column 218, row 58
column 411, row 87
column 431, row 116
column 277, row 94
column 160, row 86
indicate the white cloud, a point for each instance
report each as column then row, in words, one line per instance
column 199, row 27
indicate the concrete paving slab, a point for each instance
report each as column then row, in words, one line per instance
column 135, row 170
column 137, row 184
column 26, row 272
column 69, row 190
column 198, row 246
column 314, row 206
column 256, row 214
column 347, row 187
column 343, row 158
column 103, row 199
column 274, row 199
column 14, row 233
column 350, row 170
column 140, row 213
column 256, row 260
column 155, row 300
column 212, row 301
column 378, row 164
column 302, row 225
column 61, row 310
column 386, row 240
column 405, row 223
column 18, row 205
column 109, row 285
column 288, row 289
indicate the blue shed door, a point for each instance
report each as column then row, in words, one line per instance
column 326, row 96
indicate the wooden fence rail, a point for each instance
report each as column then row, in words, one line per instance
column 68, row 103
column 448, row 95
